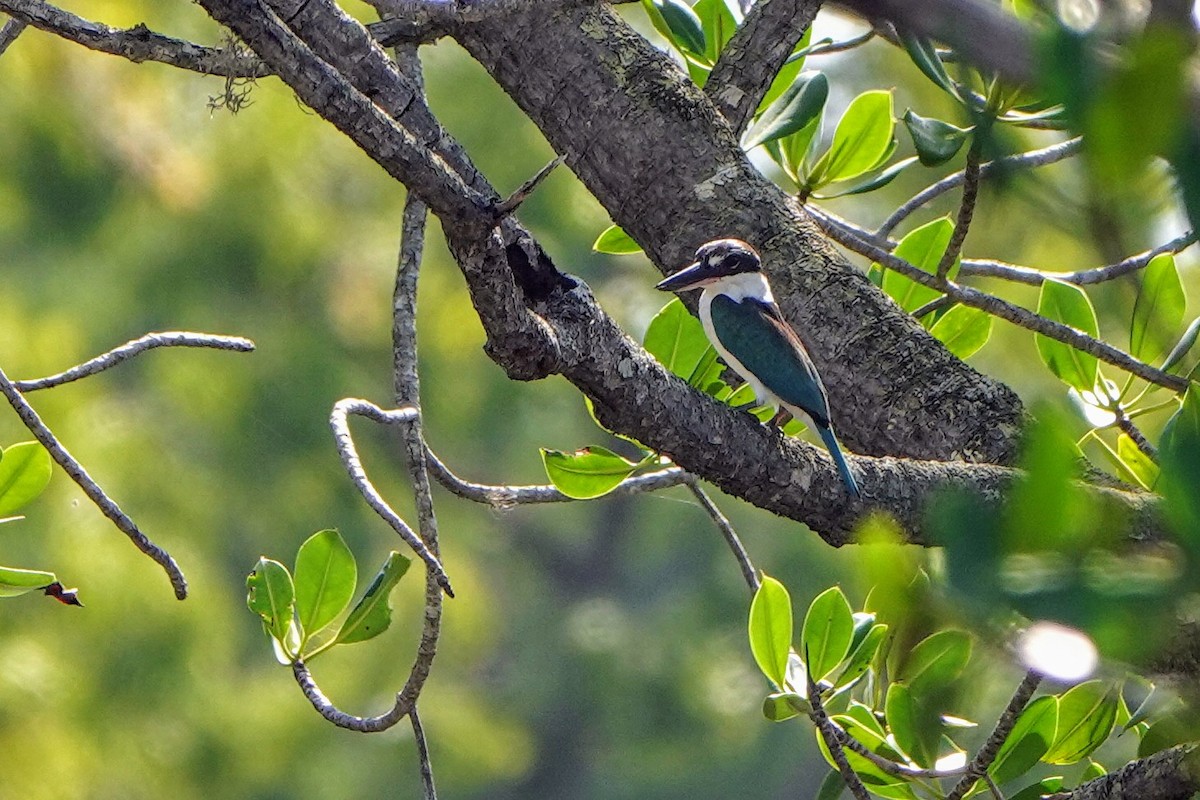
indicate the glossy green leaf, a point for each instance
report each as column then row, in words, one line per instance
column 1092, row 771
column 913, row 724
column 24, row 472
column 861, row 141
column 1179, row 457
column 372, row 614
column 782, row 706
column 792, row 151
column 924, row 54
column 1182, row 346
column 15, row 581
column 677, row 340
column 324, row 579
column 963, row 329
column 1140, row 465
column 1036, row 791
column 685, row 29
column 923, row 248
column 615, row 241
column 859, row 722
column 873, row 182
column 1067, row 303
column 787, row 73
column 861, row 655
column 588, row 473
column 272, row 596
column 1086, row 715
column 718, row 19
column 771, row 630
column 936, row 141
column 1158, row 310
column 1169, row 731
column 828, row 628
column 798, row 108
column 936, row 661
column 1031, row 737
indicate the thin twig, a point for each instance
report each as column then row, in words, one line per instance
column 350, row 460
column 97, row 495
column 842, row 46
column 514, row 200
column 137, row 44
column 833, row 742
column 338, row 717
column 1033, row 158
column 1083, row 277
column 727, row 531
column 1127, row 427
column 1000, row 308
column 936, row 304
column 886, row 764
column 966, row 207
column 9, row 33
column 426, row 767
column 135, row 347
column 1004, row 726
column 992, row 787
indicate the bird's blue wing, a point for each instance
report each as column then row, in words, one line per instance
column 756, row 334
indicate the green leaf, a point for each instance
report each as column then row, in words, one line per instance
column 1092, row 771
column 24, row 472
column 771, row 630
column 1182, row 347
column 615, row 241
column 923, row 248
column 924, row 54
column 588, row 473
column 913, row 724
column 832, row 786
column 1169, row 731
column 677, row 340
column 1031, row 737
column 798, row 108
column 1179, row 456
column 936, row 141
column 1067, row 303
column 788, row 72
column 876, row 181
column 1086, row 715
column 373, row 613
column 782, row 706
column 1158, row 310
column 1143, row 469
column 861, row 655
column 685, row 30
column 963, row 329
column 718, row 19
column 324, row 580
column 15, row 581
column 272, row 596
column 861, row 141
column 1036, row 791
column 936, row 661
column 828, row 628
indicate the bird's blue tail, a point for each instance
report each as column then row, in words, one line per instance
column 835, row 450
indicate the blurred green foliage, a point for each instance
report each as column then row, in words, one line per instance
column 594, row 650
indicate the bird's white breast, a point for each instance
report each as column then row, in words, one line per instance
column 737, row 287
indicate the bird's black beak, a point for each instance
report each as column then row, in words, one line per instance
column 689, row 277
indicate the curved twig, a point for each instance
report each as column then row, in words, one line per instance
column 966, row 207
column 335, row 715
column 1004, row 726
column 9, row 33
column 727, row 531
column 135, row 347
column 92, row 489
column 1083, row 277
column 829, row 732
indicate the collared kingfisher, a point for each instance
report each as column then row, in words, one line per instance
column 744, row 324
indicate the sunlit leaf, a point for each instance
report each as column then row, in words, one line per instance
column 372, row 614
column 1036, row 791
column 923, row 248
column 771, row 630
column 24, row 473
column 1158, row 310
column 1140, row 465
column 963, row 329
column 324, row 580
column 1067, row 303
column 936, row 141
column 936, row 661
column 718, row 19
column 588, row 473
column 677, row 340
column 782, row 706
column 861, row 654
column 685, row 30
column 873, row 182
column 788, row 72
column 861, row 141
column 272, row 596
column 1031, row 737
column 1182, row 346
column 914, row 725
column 799, row 107
column 1086, row 714
column 828, row 628
column 615, row 241
column 15, row 581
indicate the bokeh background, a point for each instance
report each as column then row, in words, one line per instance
column 594, row 651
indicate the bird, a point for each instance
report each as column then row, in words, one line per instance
column 744, row 324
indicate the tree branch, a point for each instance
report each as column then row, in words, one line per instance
column 1172, row 774
column 9, row 33
column 1004, row 726
column 137, row 44
column 1083, row 277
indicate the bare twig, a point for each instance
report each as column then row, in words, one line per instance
column 1083, row 277
column 727, row 531
column 137, row 44
column 426, row 767
column 1127, row 427
column 1000, row 308
column 842, row 46
column 338, row 717
column 97, row 495
column 349, row 455
column 135, row 347
column 514, row 200
column 936, row 304
column 1033, row 158
column 987, row 754
column 9, row 33
column 829, row 732
column 966, row 207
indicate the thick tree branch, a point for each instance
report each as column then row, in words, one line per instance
column 1172, row 774
column 137, row 44
column 754, row 54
